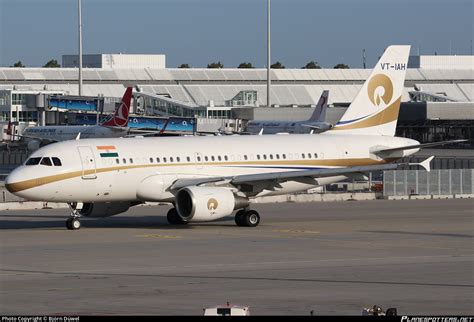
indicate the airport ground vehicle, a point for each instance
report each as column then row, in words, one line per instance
column 227, row 310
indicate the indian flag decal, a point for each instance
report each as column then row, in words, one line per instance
column 108, row 151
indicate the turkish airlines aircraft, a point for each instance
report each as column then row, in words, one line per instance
column 316, row 123
column 207, row 178
column 115, row 126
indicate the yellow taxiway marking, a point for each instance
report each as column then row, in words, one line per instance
column 160, row 236
column 295, row 231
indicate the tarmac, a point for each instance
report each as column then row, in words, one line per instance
column 330, row 258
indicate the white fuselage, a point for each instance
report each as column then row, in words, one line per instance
column 297, row 127
column 98, row 170
column 70, row 132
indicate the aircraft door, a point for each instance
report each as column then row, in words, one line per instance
column 88, row 162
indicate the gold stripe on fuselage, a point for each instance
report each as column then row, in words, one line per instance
column 32, row 183
column 387, row 115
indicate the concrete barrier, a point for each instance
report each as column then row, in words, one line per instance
column 317, row 197
column 398, row 197
column 420, row 197
column 463, row 196
column 442, row 196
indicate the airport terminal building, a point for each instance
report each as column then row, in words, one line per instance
column 438, row 100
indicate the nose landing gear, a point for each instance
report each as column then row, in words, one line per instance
column 73, row 223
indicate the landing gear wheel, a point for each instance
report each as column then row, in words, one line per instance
column 73, row 224
column 174, row 218
column 239, row 217
column 251, row 218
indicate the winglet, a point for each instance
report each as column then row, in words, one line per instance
column 425, row 164
column 78, row 136
column 261, row 132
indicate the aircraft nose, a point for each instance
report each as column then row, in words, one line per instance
column 12, row 182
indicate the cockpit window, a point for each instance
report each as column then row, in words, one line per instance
column 46, row 161
column 56, row 161
column 33, row 161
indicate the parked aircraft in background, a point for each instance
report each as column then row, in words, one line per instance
column 209, row 177
column 316, row 123
column 115, row 126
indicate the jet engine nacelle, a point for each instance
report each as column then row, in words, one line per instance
column 104, row 209
column 207, row 203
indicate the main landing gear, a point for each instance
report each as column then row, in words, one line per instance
column 247, row 218
column 73, row 223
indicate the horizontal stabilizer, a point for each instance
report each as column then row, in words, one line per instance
column 424, row 164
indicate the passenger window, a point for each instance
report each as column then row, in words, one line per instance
column 164, row 160
column 258, row 156
column 131, row 160
column 171, row 159
column 219, row 158
column 212, row 158
column 302, row 155
column 309, row 155
column 151, row 160
column 315, row 155
column 245, row 157
column 56, row 162
column 199, row 159
column 284, row 156
column 264, row 157
column 205, row 158
column 117, row 161
column 124, row 160
column 46, row 161
column 277, row 156
column 33, row 161
column 178, row 159
column 271, row 156
column 188, row 159
column 226, row 158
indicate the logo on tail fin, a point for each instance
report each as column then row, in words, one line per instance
column 121, row 115
column 380, row 90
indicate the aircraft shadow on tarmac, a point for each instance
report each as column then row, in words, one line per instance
column 158, row 222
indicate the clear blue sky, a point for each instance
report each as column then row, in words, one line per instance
column 201, row 31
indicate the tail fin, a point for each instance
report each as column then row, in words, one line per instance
column 375, row 109
column 319, row 114
column 120, row 117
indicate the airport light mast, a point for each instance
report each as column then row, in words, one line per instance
column 268, row 56
column 80, row 46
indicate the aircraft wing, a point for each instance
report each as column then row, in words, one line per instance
column 43, row 140
column 308, row 176
column 417, row 146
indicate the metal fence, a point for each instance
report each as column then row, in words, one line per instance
column 435, row 182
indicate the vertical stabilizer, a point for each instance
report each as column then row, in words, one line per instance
column 120, row 117
column 375, row 109
column 319, row 114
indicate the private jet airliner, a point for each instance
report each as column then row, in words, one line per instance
column 208, row 178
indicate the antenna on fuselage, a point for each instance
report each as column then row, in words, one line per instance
column 78, row 136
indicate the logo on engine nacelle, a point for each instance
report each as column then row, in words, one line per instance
column 212, row 205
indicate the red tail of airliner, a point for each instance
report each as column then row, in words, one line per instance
column 120, row 117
